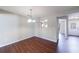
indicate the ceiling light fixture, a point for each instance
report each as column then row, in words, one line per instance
column 30, row 19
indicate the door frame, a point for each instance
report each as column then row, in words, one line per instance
column 62, row 17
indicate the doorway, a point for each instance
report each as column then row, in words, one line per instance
column 63, row 26
column 62, row 33
column 67, row 42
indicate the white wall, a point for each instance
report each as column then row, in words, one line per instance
column 49, row 33
column 14, row 28
column 26, row 29
column 9, row 27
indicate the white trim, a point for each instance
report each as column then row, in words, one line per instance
column 15, row 41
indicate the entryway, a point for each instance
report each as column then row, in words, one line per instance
column 68, row 37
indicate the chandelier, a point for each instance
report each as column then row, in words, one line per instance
column 31, row 19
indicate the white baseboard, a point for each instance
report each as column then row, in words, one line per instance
column 15, row 41
column 47, row 39
column 26, row 38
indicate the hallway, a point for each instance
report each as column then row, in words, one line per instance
column 69, row 45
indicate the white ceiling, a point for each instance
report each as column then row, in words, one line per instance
column 40, row 10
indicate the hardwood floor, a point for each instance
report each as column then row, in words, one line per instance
column 31, row 45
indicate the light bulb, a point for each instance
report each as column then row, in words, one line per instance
column 29, row 20
column 42, row 25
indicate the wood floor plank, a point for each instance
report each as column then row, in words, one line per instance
column 31, row 45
